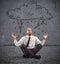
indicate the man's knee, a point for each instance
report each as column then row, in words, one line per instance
column 23, row 46
column 38, row 46
column 25, row 50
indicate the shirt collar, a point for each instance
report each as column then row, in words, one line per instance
column 28, row 35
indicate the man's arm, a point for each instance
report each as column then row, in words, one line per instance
column 40, row 42
column 17, row 43
column 45, row 36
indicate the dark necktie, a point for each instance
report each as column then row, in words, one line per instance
column 28, row 41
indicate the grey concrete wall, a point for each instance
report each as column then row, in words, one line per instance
column 41, row 15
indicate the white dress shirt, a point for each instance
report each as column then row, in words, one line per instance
column 33, row 41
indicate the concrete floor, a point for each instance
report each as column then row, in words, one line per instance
column 13, row 55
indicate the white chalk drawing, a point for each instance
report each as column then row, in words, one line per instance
column 30, row 14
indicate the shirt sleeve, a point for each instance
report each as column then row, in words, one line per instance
column 43, row 42
column 40, row 42
column 20, row 42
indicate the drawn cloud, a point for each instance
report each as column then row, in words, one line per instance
column 29, row 12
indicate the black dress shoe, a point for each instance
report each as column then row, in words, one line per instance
column 36, row 56
column 25, row 56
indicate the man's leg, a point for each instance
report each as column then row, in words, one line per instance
column 31, row 52
column 26, row 52
column 37, row 48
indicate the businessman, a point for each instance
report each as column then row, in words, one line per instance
column 30, row 44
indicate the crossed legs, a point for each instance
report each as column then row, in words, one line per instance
column 30, row 52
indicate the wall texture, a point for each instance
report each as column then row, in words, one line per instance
column 41, row 15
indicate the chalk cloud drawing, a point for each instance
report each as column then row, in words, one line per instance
column 30, row 14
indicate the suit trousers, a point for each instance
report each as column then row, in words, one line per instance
column 32, row 51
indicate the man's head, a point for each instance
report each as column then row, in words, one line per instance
column 29, row 31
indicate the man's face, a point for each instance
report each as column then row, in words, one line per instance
column 29, row 31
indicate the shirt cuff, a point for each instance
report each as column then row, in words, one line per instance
column 14, row 39
column 43, row 42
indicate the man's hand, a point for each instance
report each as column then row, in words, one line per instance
column 13, row 36
column 45, row 36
